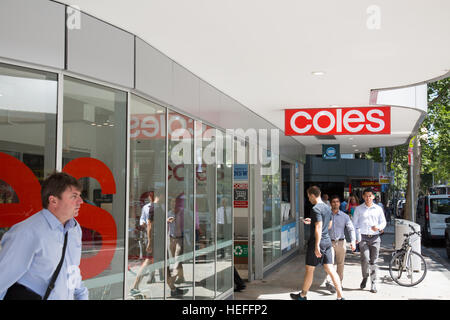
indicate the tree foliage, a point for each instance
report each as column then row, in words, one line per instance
column 434, row 135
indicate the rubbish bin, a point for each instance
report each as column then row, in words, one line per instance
column 402, row 227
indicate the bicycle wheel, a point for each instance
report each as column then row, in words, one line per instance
column 407, row 271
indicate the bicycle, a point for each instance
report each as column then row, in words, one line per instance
column 407, row 267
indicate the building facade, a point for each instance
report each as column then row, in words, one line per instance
column 80, row 95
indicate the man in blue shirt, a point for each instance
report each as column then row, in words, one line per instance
column 341, row 223
column 32, row 249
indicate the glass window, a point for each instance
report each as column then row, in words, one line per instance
column 440, row 206
column 94, row 147
column 28, row 100
column 271, row 213
column 224, row 266
column 205, row 196
column 180, row 179
column 147, row 213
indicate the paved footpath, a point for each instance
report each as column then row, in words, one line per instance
column 289, row 278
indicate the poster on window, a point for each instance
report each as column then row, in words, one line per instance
column 240, row 195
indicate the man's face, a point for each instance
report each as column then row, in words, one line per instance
column 368, row 198
column 69, row 204
column 312, row 198
column 335, row 203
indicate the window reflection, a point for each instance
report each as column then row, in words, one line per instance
column 271, row 213
column 27, row 125
column 224, row 201
column 94, row 127
column 147, row 213
column 181, row 190
column 205, row 167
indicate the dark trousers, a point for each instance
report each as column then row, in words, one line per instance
column 237, row 279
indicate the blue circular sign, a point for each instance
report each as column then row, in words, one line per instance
column 331, row 152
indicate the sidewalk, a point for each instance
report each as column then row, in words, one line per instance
column 289, row 278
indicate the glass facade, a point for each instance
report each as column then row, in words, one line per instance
column 224, row 217
column 147, row 183
column 271, row 186
column 94, row 150
column 28, row 104
column 180, row 181
column 157, row 217
column 205, row 204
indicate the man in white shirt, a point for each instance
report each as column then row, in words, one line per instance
column 368, row 221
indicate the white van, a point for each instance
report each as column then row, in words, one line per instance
column 431, row 214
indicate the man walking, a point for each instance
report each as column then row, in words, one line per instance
column 341, row 222
column 319, row 246
column 369, row 221
column 40, row 256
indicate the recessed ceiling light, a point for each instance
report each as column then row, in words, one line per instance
column 318, row 73
column 354, row 145
column 350, row 138
column 356, row 150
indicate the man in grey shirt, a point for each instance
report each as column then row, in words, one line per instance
column 341, row 221
column 319, row 250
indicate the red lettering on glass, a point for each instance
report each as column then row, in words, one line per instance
column 28, row 191
column 15, row 173
column 96, row 218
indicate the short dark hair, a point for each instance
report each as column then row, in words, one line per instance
column 55, row 184
column 334, row 196
column 314, row 190
column 368, row 190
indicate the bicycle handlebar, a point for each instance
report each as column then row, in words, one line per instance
column 412, row 233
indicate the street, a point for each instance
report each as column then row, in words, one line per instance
column 438, row 248
column 289, row 278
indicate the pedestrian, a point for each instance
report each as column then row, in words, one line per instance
column 353, row 202
column 369, row 221
column 325, row 200
column 40, row 256
column 319, row 250
column 343, row 206
column 340, row 223
column 147, row 210
column 378, row 202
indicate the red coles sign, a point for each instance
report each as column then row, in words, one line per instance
column 338, row 121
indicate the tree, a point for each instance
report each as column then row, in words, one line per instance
column 435, row 139
column 431, row 154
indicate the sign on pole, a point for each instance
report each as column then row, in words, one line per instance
column 411, row 152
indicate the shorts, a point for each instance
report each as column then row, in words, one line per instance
column 326, row 251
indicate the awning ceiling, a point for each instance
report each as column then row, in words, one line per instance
column 263, row 53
